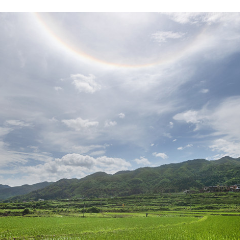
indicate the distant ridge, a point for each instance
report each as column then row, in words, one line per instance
column 8, row 192
column 4, row 186
column 173, row 177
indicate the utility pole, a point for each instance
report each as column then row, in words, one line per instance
column 83, row 209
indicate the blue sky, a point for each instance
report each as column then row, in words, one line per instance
column 87, row 92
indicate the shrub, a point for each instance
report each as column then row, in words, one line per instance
column 26, row 211
column 93, row 210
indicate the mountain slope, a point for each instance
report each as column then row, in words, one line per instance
column 173, row 177
column 4, row 186
column 8, row 192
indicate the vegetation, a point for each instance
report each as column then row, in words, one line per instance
column 169, row 216
column 7, row 192
column 141, row 204
column 170, row 178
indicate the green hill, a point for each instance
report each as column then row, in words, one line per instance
column 173, row 177
column 4, row 186
column 7, row 192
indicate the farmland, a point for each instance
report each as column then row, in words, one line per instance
column 118, row 226
column 169, row 216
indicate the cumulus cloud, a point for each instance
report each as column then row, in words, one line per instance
column 85, row 83
column 142, row 161
column 163, row 36
column 187, row 146
column 110, row 123
column 69, row 166
column 194, row 117
column 77, row 165
column 121, row 115
column 75, row 160
column 188, row 116
column 79, row 123
column 162, row 155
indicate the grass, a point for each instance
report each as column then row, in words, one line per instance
column 170, row 216
column 121, row 226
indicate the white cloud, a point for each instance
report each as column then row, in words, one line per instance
column 188, row 116
column 4, row 131
column 121, row 115
column 204, row 90
column 168, row 135
column 171, row 124
column 110, row 123
column 53, row 119
column 228, row 148
column 193, row 18
column 77, row 165
column 85, row 83
column 88, row 148
column 79, row 123
column 162, row 155
column 10, row 158
column 17, row 123
column 187, row 146
column 223, row 119
column 69, row 166
column 142, row 161
column 194, row 117
column 174, row 140
column 163, row 36
column 75, row 160
column 58, row 88
column 184, row 17
column 97, row 153
column 152, row 144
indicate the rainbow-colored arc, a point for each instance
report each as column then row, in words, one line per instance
column 171, row 57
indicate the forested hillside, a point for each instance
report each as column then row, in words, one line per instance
column 4, row 186
column 166, row 178
column 7, row 192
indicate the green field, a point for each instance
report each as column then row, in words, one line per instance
column 119, row 226
column 170, row 216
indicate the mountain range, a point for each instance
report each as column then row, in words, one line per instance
column 8, row 192
column 174, row 177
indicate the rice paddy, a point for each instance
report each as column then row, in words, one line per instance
column 118, row 226
column 75, row 219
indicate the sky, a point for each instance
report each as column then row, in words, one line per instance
column 87, row 92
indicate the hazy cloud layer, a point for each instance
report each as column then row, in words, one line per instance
column 115, row 86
